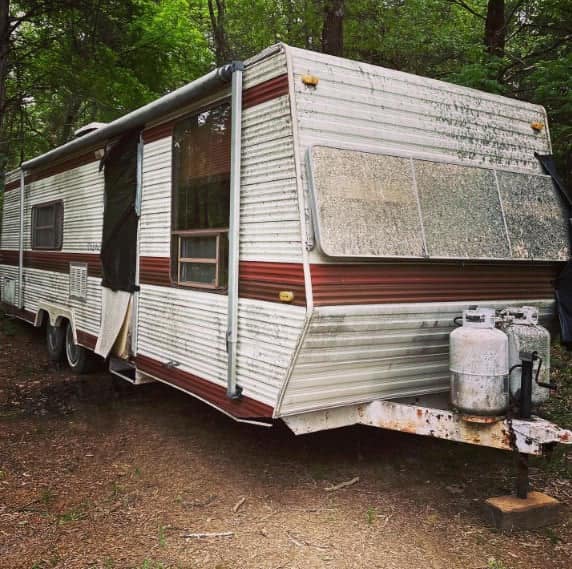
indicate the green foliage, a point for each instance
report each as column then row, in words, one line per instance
column 72, row 62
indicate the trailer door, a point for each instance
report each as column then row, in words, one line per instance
column 119, row 242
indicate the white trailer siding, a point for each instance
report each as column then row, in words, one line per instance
column 10, row 233
column 353, row 354
column 372, row 108
column 188, row 327
column 81, row 190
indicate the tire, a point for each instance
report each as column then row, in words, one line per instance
column 55, row 342
column 78, row 358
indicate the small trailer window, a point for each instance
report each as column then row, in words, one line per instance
column 406, row 207
column 47, row 225
column 201, row 198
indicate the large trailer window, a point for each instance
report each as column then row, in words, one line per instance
column 377, row 205
column 47, row 226
column 201, row 198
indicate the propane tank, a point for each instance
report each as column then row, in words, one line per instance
column 479, row 365
column 524, row 333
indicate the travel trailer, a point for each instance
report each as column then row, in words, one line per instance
column 294, row 237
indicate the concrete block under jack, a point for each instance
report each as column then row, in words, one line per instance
column 537, row 510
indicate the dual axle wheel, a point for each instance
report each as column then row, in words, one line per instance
column 60, row 343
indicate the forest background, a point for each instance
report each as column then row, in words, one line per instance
column 65, row 63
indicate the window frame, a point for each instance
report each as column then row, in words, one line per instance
column 177, row 235
column 58, row 226
column 216, row 260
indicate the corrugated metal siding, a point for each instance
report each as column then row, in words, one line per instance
column 82, row 192
column 12, row 176
column 376, row 283
column 270, row 219
column 48, row 286
column 155, row 222
column 356, row 104
column 264, row 66
column 10, row 231
column 354, row 354
column 189, row 327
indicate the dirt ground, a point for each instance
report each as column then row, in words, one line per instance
column 98, row 474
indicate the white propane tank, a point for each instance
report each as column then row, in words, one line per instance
column 524, row 333
column 479, row 365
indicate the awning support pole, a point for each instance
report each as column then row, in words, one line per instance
column 233, row 390
column 21, row 242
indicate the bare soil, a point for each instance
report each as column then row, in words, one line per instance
column 99, row 474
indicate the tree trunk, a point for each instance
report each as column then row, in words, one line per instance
column 333, row 28
column 217, row 17
column 495, row 28
column 4, row 53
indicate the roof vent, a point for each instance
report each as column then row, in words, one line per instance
column 82, row 131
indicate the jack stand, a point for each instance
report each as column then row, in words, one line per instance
column 526, row 510
column 522, row 482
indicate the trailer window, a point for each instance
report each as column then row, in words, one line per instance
column 201, row 198
column 382, row 206
column 47, row 225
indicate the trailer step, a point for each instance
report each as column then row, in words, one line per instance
column 127, row 371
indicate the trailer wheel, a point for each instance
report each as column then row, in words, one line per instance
column 55, row 342
column 78, row 358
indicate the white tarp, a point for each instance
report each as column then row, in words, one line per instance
column 115, row 308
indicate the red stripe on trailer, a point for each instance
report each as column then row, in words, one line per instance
column 335, row 284
column 12, row 185
column 266, row 91
column 257, row 280
column 55, row 261
column 271, row 89
column 243, row 408
column 158, row 132
column 155, row 271
column 265, row 281
column 86, row 339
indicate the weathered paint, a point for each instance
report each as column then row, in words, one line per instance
column 352, row 354
column 530, row 436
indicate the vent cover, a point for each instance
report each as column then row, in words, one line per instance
column 78, row 281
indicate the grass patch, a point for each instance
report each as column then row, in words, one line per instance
column 150, row 564
column 75, row 515
column 495, row 564
column 47, row 497
column 371, row 515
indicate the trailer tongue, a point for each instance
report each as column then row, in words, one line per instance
column 530, row 436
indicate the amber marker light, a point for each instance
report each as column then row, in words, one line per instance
column 286, row 296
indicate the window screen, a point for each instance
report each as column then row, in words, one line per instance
column 376, row 205
column 47, row 225
column 201, row 198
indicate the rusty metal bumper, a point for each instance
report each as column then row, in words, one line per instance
column 530, row 436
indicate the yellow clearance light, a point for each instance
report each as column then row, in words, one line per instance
column 310, row 80
column 286, row 296
column 537, row 126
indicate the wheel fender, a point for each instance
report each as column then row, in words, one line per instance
column 58, row 314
